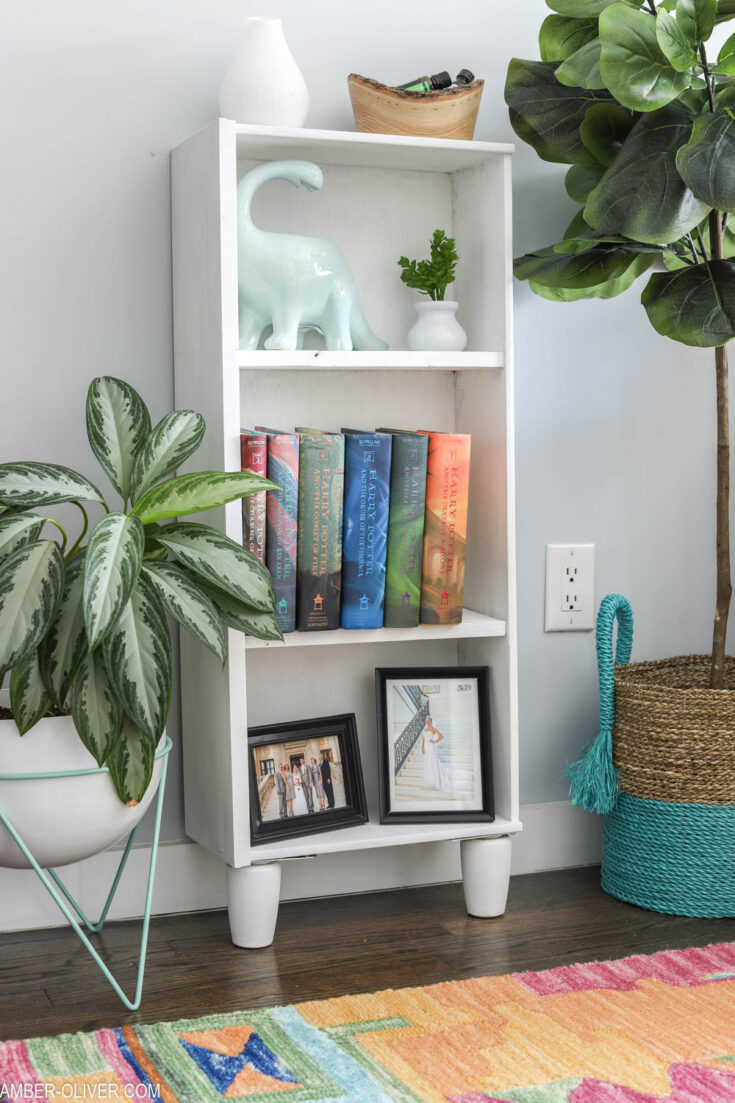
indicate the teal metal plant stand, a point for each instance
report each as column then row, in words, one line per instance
column 64, row 900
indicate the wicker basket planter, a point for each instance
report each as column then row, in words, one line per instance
column 669, row 833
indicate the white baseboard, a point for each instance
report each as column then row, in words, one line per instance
column 554, row 836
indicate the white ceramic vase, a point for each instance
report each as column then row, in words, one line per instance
column 61, row 820
column 263, row 83
column 437, row 328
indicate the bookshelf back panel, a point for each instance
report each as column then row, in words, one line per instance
column 377, row 215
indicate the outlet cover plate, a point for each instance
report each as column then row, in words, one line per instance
column 570, row 587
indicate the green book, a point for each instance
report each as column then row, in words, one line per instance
column 319, row 552
column 405, row 530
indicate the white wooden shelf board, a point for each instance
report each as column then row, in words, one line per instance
column 371, row 836
column 347, row 147
column 391, row 360
column 473, row 624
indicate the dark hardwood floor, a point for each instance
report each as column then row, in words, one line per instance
column 49, row 985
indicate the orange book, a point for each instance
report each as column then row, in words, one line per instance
column 445, row 528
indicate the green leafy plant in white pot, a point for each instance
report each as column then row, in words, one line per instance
column 84, row 626
column 437, row 328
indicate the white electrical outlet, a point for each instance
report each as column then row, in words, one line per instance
column 570, row 587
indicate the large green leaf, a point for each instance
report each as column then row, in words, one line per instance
column 607, row 290
column 65, row 644
column 604, row 129
column 18, row 529
column 31, row 585
column 580, row 180
column 725, row 11
column 633, row 65
column 243, row 618
column 546, row 114
column 550, row 268
column 706, row 163
column 197, row 492
column 560, row 36
column 176, row 437
column 675, row 44
column 114, row 556
column 29, row 698
column 582, row 69
column 130, row 763
column 642, row 195
column 695, row 305
column 726, row 57
column 118, row 424
column 696, row 18
column 218, row 560
column 32, row 484
column 95, row 709
column 191, row 607
column 139, row 659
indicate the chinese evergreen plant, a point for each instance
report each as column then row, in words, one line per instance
column 630, row 97
column 432, row 277
column 84, row 627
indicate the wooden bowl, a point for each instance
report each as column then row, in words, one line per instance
column 450, row 113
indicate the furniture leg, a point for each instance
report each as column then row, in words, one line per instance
column 253, row 894
column 486, row 875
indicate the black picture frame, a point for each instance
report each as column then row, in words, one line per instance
column 328, row 733
column 408, row 677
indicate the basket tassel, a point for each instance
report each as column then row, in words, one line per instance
column 594, row 781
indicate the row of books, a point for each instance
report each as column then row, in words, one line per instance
column 366, row 530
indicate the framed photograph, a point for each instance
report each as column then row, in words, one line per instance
column 434, row 744
column 305, row 776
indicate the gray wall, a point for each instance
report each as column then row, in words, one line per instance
column 614, row 424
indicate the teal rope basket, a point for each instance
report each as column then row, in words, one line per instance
column 662, row 771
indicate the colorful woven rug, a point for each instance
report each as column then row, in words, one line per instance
column 640, row 1030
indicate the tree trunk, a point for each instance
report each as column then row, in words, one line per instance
column 724, row 584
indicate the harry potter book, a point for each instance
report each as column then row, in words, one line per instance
column 319, row 554
column 282, row 511
column 365, row 528
column 253, row 458
column 405, row 530
column 445, row 528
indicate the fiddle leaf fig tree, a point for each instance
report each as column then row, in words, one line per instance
column 84, row 628
column 630, row 97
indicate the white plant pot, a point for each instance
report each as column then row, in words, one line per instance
column 437, row 328
column 263, row 83
column 62, row 820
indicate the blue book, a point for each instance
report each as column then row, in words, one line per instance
column 365, row 528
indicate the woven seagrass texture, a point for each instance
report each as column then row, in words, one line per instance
column 674, row 738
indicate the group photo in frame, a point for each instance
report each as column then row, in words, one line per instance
column 305, row 776
column 434, row 744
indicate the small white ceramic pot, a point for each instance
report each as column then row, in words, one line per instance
column 437, row 328
column 263, row 84
column 62, row 820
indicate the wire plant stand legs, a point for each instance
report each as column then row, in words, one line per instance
column 69, row 907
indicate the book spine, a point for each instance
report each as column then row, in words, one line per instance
column 405, row 531
column 365, row 529
column 319, row 545
column 253, row 458
column 445, row 528
column 282, row 512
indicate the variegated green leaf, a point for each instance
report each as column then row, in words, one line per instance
column 95, row 709
column 118, row 424
column 30, row 484
column 18, row 529
column 176, row 437
column 29, row 698
column 216, row 559
column 196, row 492
column 139, row 660
column 65, row 644
column 130, row 763
column 114, row 556
column 31, row 585
column 264, row 626
column 191, row 607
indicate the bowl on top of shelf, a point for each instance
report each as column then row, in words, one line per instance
column 446, row 113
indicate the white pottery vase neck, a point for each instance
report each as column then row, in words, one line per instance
column 437, row 328
column 263, row 84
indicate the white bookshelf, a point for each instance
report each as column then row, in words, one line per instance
column 383, row 195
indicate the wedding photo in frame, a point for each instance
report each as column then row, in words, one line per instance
column 434, row 744
column 305, row 776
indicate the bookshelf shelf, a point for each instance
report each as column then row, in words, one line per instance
column 473, row 626
column 383, row 195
